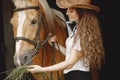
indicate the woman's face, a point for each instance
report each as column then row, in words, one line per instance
column 72, row 14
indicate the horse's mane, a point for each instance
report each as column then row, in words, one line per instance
column 59, row 14
column 51, row 14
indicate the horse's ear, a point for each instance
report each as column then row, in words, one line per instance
column 13, row 1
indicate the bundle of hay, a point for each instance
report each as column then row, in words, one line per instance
column 20, row 73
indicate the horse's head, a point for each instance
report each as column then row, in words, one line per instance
column 32, row 21
column 26, row 27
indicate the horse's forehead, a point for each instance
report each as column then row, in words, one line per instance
column 30, row 14
column 25, row 3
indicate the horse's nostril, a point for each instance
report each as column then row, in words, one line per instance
column 25, row 58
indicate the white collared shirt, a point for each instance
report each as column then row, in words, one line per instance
column 69, row 44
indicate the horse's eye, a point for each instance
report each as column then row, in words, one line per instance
column 33, row 21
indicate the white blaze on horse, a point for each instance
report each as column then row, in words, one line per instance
column 33, row 22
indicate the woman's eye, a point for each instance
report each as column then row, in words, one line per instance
column 71, row 11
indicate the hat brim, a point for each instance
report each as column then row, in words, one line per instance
column 64, row 5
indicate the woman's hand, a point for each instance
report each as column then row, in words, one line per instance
column 52, row 39
column 34, row 68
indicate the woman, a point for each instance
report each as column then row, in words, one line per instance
column 84, row 49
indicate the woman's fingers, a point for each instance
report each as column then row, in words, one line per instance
column 33, row 68
column 52, row 39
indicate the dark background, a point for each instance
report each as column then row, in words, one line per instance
column 109, row 18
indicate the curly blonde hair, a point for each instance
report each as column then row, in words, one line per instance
column 88, row 31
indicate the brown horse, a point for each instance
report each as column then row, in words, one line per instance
column 33, row 23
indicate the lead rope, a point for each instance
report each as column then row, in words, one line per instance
column 53, row 59
column 60, row 57
column 53, row 46
column 42, row 61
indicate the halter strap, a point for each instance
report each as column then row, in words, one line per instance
column 30, row 7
